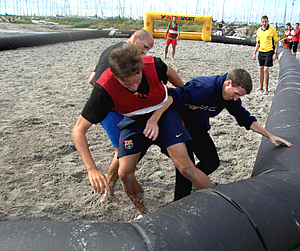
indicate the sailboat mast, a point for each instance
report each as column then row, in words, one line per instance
column 223, row 10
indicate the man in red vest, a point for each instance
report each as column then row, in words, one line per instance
column 296, row 39
column 172, row 35
column 143, row 40
column 135, row 86
column 288, row 40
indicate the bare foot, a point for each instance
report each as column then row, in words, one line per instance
column 114, row 200
column 117, row 203
column 104, row 196
column 256, row 90
column 266, row 92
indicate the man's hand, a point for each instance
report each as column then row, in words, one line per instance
column 256, row 127
column 275, row 139
column 254, row 56
column 151, row 130
column 98, row 181
column 170, row 86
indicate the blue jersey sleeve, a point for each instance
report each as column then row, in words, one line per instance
column 193, row 92
column 241, row 115
column 179, row 98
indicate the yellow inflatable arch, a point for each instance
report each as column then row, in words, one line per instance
column 206, row 22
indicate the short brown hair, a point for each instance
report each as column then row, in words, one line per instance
column 240, row 78
column 125, row 61
column 264, row 17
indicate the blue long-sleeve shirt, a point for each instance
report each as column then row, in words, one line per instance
column 206, row 92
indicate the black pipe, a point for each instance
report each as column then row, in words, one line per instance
column 283, row 120
column 260, row 213
column 233, row 40
column 62, row 236
column 15, row 42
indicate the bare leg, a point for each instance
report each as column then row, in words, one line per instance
column 166, row 50
column 173, row 52
column 130, row 184
column 112, row 177
column 182, row 161
column 261, row 77
column 266, row 74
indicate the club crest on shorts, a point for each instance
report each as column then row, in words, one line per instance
column 128, row 144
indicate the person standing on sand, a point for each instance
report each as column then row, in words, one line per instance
column 288, row 40
column 220, row 29
column 296, row 35
column 205, row 97
column 267, row 43
column 144, row 41
column 135, row 87
column 172, row 35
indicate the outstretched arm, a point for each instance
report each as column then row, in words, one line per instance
column 255, row 50
column 151, row 130
column 167, row 31
column 97, row 178
column 178, row 35
column 275, row 53
column 92, row 78
column 173, row 77
column 256, row 127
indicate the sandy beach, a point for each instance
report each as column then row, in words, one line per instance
column 43, row 90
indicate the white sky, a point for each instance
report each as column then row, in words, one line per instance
column 234, row 10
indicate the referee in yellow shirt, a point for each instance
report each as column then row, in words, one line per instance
column 267, row 43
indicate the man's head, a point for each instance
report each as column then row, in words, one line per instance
column 175, row 19
column 264, row 21
column 237, row 84
column 126, row 64
column 297, row 25
column 143, row 40
column 288, row 26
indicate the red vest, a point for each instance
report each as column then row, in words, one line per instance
column 296, row 38
column 133, row 105
column 288, row 35
column 173, row 31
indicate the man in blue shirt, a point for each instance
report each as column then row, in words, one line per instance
column 205, row 97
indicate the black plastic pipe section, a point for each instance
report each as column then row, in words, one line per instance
column 260, row 213
column 15, row 42
column 233, row 40
column 283, row 119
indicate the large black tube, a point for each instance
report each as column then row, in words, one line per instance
column 260, row 213
column 15, row 42
column 283, row 119
column 233, row 40
column 50, row 236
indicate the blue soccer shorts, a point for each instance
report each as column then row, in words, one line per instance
column 132, row 139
